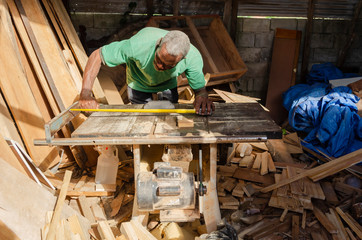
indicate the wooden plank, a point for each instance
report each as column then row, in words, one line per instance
column 204, row 51
column 279, row 151
column 295, row 227
column 350, row 234
column 211, row 209
column 331, row 228
column 282, row 70
column 344, row 162
column 75, row 227
column 117, row 202
column 37, row 91
column 296, row 187
column 249, row 175
column 233, row 97
column 350, row 221
column 282, row 217
column 179, row 215
column 304, row 219
column 109, row 88
column 58, row 207
column 85, row 206
column 128, row 231
column 282, row 191
column 238, row 190
column 75, row 45
column 257, row 162
column 228, row 201
column 105, row 230
column 27, row 115
column 98, row 212
column 229, row 184
column 329, row 192
column 264, row 163
column 7, row 125
column 335, row 219
column 271, row 165
column 247, row 161
column 141, row 231
column 88, row 194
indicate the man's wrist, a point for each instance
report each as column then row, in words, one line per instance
column 86, row 93
column 201, row 92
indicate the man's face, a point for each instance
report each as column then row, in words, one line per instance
column 164, row 61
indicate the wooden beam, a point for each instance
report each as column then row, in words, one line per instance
column 85, row 207
column 204, row 51
column 343, row 163
column 307, row 39
column 351, row 222
column 58, row 207
column 322, row 218
column 234, row 19
column 227, row 14
column 105, row 230
column 211, row 211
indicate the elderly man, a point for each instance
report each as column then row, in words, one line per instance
column 154, row 58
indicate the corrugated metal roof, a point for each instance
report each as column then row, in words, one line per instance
column 282, row 8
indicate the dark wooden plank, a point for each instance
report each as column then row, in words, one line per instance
column 282, row 71
column 249, row 175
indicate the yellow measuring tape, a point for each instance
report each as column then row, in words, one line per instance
column 136, row 110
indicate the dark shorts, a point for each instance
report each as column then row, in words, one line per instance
column 138, row 97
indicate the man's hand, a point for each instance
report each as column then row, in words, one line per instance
column 203, row 105
column 86, row 101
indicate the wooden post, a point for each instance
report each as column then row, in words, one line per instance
column 307, row 39
column 212, row 213
column 234, row 19
column 227, row 14
column 137, row 214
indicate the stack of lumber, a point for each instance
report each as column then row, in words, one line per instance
column 42, row 66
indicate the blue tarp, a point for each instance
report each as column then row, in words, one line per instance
column 329, row 116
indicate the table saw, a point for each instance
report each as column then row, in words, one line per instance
column 147, row 132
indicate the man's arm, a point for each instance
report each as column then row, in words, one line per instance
column 202, row 102
column 86, row 100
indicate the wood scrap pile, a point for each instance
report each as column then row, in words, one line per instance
column 296, row 199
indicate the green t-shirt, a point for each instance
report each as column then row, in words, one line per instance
column 138, row 54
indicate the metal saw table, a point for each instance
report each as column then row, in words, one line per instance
column 230, row 123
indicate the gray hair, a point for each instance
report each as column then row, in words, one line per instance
column 177, row 43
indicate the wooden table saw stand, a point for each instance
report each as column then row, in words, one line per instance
column 230, row 123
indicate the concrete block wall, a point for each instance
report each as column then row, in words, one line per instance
column 255, row 42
